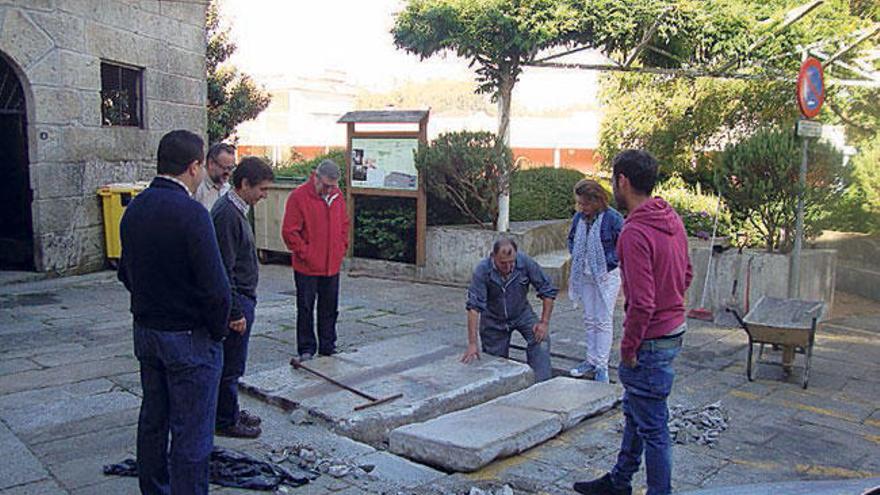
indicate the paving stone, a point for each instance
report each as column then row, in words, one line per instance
column 103, row 422
column 573, row 399
column 10, row 366
column 468, row 440
column 117, row 485
column 91, row 353
column 19, row 465
column 63, row 450
column 38, row 397
column 48, row 487
column 77, row 372
column 398, row 470
column 58, row 412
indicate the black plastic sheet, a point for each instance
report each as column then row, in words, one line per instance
column 235, row 470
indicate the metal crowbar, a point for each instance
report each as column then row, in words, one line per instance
column 374, row 401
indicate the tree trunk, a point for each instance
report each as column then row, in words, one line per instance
column 505, row 94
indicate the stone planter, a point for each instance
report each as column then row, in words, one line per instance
column 769, row 275
column 452, row 251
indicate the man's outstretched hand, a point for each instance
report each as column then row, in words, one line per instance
column 541, row 328
column 471, row 354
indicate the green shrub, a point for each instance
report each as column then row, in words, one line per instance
column 544, row 193
column 462, row 170
column 760, row 184
column 300, row 168
column 386, row 228
column 696, row 208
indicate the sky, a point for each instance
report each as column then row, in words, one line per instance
column 307, row 38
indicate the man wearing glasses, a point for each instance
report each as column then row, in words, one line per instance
column 219, row 164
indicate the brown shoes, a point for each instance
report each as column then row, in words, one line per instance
column 246, row 418
column 240, row 430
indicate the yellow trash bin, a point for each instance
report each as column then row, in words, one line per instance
column 114, row 199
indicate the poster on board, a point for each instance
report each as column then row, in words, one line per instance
column 383, row 163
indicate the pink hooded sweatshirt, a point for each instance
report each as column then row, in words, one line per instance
column 656, row 269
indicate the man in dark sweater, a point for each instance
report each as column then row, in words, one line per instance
column 180, row 303
column 251, row 181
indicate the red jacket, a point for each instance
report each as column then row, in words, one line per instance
column 656, row 272
column 315, row 232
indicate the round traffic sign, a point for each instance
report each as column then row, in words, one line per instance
column 811, row 87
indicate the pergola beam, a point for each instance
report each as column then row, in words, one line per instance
column 694, row 73
column 793, row 16
column 861, row 39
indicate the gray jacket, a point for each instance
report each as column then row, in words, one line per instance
column 503, row 304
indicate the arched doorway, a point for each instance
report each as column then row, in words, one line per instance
column 16, row 228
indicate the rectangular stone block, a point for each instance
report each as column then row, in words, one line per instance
column 428, row 374
column 399, row 470
column 572, row 399
column 468, row 440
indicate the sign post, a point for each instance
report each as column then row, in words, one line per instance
column 810, row 96
column 381, row 163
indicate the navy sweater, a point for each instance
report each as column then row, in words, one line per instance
column 238, row 251
column 171, row 263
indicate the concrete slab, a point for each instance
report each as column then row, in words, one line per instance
column 468, row 440
column 19, row 466
column 428, row 374
column 572, row 399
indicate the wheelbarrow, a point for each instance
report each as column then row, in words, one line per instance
column 789, row 324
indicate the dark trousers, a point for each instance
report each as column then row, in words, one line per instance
column 496, row 342
column 180, row 372
column 326, row 291
column 234, row 358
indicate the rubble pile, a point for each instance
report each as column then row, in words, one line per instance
column 504, row 490
column 700, row 425
column 311, row 460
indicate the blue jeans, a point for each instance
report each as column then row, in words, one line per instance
column 234, row 358
column 180, row 372
column 496, row 342
column 646, row 388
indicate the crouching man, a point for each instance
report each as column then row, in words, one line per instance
column 497, row 303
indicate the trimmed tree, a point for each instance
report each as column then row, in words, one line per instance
column 760, row 185
column 499, row 37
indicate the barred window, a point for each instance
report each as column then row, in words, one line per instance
column 121, row 95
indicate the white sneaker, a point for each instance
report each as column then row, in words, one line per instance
column 582, row 370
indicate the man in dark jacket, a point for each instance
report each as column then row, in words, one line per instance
column 497, row 302
column 653, row 254
column 180, row 303
column 251, row 181
column 315, row 229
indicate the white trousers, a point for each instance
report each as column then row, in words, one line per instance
column 598, row 298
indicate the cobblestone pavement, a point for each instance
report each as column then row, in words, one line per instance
column 69, row 394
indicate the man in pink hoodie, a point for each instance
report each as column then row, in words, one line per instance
column 656, row 272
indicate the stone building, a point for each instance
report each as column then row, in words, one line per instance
column 87, row 88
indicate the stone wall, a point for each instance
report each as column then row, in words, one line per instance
column 758, row 273
column 57, row 47
column 857, row 269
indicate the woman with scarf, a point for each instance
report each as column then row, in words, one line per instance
column 595, row 277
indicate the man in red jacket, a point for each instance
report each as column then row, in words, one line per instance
column 315, row 229
column 656, row 272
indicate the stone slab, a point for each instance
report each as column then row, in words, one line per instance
column 19, row 465
column 573, row 400
column 468, row 440
column 427, row 372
